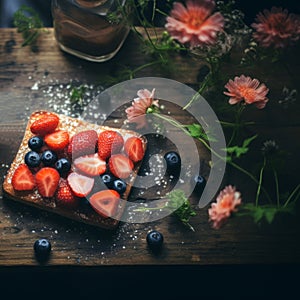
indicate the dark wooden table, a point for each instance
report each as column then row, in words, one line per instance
column 34, row 80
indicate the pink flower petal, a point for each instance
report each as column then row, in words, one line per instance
column 246, row 89
column 136, row 113
column 276, row 28
column 194, row 24
column 226, row 203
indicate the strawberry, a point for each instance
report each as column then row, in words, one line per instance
column 90, row 165
column 109, row 142
column 47, row 180
column 120, row 165
column 80, row 185
column 64, row 196
column 83, row 143
column 57, row 140
column 105, row 202
column 23, row 179
column 133, row 147
column 44, row 124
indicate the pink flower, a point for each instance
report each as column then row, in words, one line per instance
column 247, row 89
column 137, row 111
column 276, row 28
column 226, row 203
column 194, row 23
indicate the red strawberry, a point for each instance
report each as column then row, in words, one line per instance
column 46, row 123
column 57, row 140
column 90, row 165
column 105, row 202
column 120, row 165
column 109, row 142
column 47, row 180
column 64, row 196
column 134, row 148
column 83, row 143
column 80, row 185
column 23, row 179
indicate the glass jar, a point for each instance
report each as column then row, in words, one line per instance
column 90, row 29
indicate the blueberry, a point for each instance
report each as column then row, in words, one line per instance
column 35, row 143
column 154, row 240
column 120, row 186
column 63, row 166
column 32, row 159
column 42, row 249
column 200, row 183
column 173, row 161
column 108, row 180
column 49, row 158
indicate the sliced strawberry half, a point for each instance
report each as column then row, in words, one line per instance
column 82, row 143
column 120, row 165
column 80, row 185
column 90, row 165
column 109, row 142
column 57, row 140
column 23, row 179
column 46, row 123
column 64, row 196
column 133, row 147
column 105, row 202
column 47, row 180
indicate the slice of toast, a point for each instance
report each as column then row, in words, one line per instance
column 84, row 213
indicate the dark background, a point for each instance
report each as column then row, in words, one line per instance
column 43, row 7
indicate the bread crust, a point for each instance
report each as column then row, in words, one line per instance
column 85, row 213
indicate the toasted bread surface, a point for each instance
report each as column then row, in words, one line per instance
column 83, row 214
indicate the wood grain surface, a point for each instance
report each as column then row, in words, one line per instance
column 37, row 80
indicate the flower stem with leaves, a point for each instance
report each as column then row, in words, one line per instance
column 179, row 204
column 28, row 22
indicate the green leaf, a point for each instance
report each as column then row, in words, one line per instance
column 247, row 142
column 238, row 151
column 258, row 214
column 179, row 204
column 228, row 159
column 196, row 131
column 77, row 94
column 270, row 214
column 28, row 23
column 182, row 206
column 176, row 199
column 267, row 212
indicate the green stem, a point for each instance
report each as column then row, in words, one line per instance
column 229, row 124
column 237, row 123
column 31, row 38
column 146, row 209
column 276, row 187
column 201, row 89
column 183, row 128
column 214, row 65
column 172, row 122
column 260, row 181
column 144, row 27
column 143, row 67
column 189, row 226
column 292, row 195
